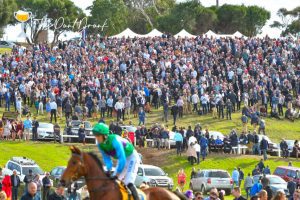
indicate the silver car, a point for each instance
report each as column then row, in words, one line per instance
column 45, row 131
column 211, row 178
column 276, row 183
column 155, row 176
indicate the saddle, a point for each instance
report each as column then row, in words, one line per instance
column 126, row 193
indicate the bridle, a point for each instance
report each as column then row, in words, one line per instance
column 101, row 188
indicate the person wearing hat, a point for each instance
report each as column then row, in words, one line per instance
column 112, row 145
column 27, row 179
column 284, row 148
column 81, row 134
column 189, row 194
column 58, row 194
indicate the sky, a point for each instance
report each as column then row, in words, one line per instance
column 12, row 32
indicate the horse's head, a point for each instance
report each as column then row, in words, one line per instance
column 75, row 168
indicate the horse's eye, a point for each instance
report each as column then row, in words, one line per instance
column 74, row 162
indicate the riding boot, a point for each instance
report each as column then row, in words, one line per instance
column 134, row 192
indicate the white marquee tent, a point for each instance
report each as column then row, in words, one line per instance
column 238, row 35
column 153, row 33
column 127, row 33
column 210, row 34
column 183, row 33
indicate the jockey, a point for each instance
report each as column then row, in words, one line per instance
column 111, row 145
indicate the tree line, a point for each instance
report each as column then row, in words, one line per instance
column 143, row 15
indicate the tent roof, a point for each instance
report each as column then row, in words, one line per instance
column 238, row 34
column 154, row 33
column 126, row 33
column 210, row 33
column 183, row 33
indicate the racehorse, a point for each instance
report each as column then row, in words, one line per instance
column 100, row 186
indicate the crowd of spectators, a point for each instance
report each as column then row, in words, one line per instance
column 110, row 76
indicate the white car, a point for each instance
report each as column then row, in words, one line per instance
column 22, row 165
column 45, row 131
column 155, row 176
column 215, row 134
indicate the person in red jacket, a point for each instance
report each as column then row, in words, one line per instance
column 6, row 186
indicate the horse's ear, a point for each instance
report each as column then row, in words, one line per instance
column 72, row 149
column 76, row 150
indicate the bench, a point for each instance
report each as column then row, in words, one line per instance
column 241, row 149
column 76, row 136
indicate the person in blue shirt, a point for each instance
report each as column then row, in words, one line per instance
column 235, row 177
column 219, row 143
column 203, row 145
column 27, row 127
column 256, row 188
column 178, row 139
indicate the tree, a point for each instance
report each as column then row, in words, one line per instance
column 256, row 17
column 230, row 18
column 206, row 19
column 7, row 9
column 46, row 13
column 141, row 6
column 283, row 13
column 182, row 16
column 114, row 11
column 290, row 21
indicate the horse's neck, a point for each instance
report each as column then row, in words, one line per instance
column 93, row 172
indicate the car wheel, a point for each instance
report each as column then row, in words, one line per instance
column 202, row 189
column 228, row 192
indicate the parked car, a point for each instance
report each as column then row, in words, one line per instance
column 288, row 173
column 210, row 178
column 154, row 175
column 215, row 134
column 273, row 147
column 56, row 173
column 45, row 131
column 290, row 144
column 75, row 126
column 276, row 183
column 7, row 44
column 22, row 165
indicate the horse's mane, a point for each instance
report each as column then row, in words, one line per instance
column 97, row 160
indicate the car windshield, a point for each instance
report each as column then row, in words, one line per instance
column 276, row 180
column 35, row 170
column 218, row 174
column 154, row 172
column 44, row 125
column 75, row 123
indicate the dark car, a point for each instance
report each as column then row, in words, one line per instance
column 56, row 173
column 287, row 173
column 74, row 125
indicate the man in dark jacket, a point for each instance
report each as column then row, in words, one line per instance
column 15, row 182
column 264, row 145
column 58, row 194
column 35, row 125
column 68, row 110
column 31, row 192
column 284, row 148
column 46, row 186
column 174, row 111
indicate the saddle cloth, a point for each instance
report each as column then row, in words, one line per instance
column 126, row 193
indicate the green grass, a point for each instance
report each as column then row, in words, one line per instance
column 50, row 155
column 5, row 50
column 275, row 129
